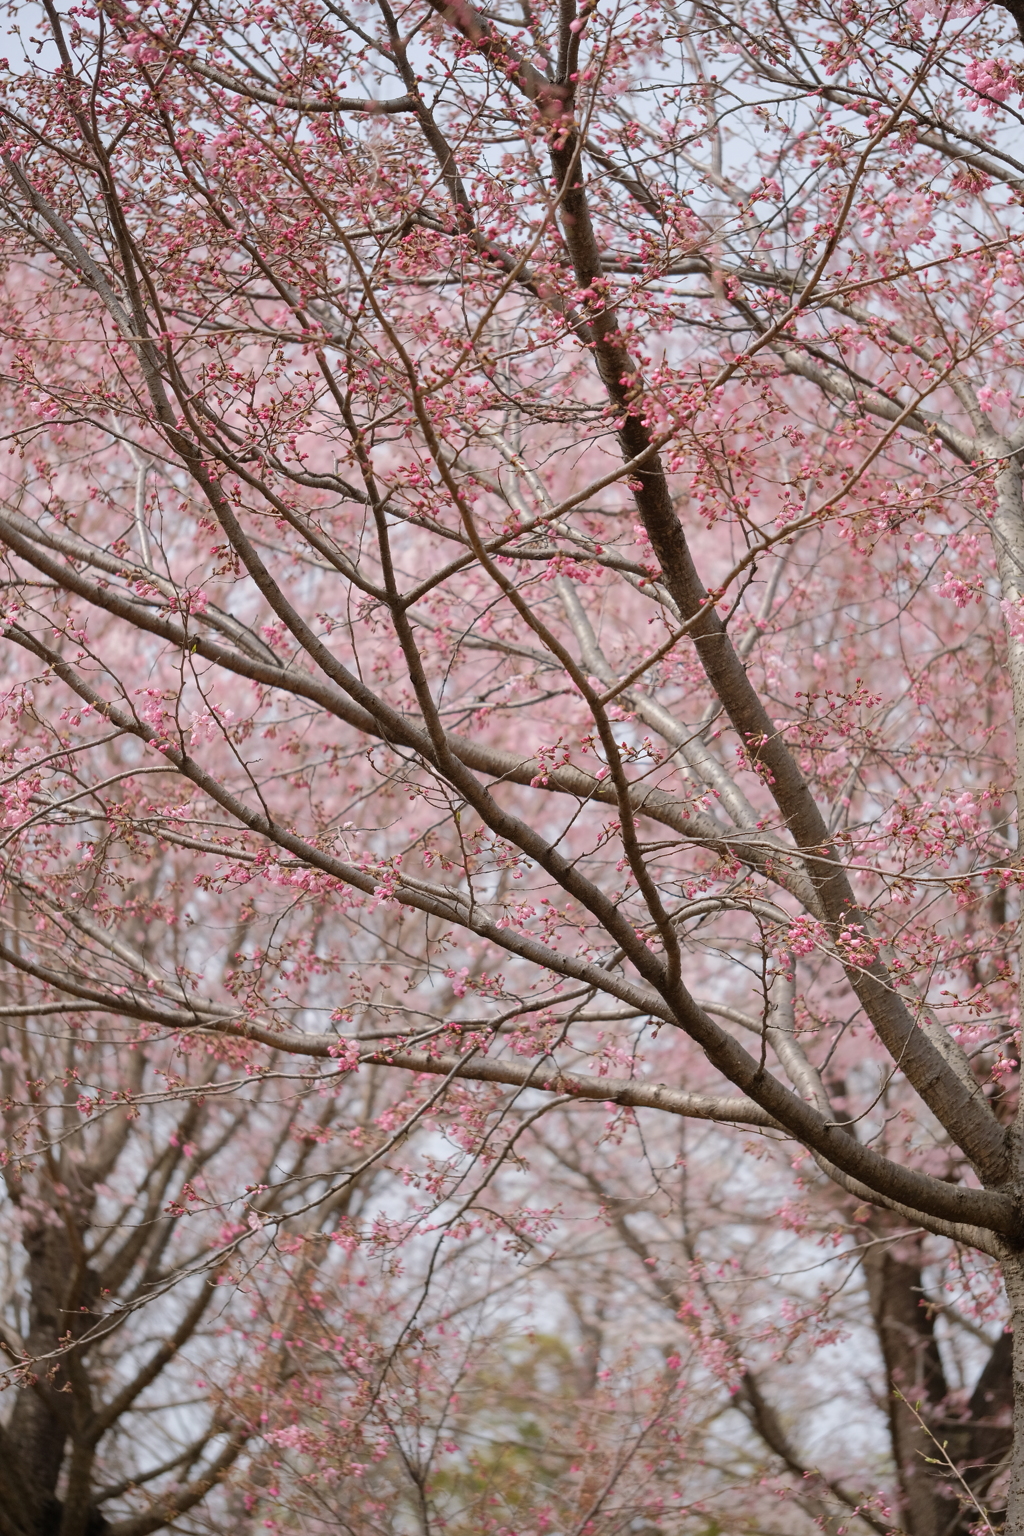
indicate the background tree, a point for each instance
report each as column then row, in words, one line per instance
column 514, row 578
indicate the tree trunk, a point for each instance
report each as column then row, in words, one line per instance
column 39, row 1423
column 1008, row 540
column 1013, row 1275
column 42, row 1421
column 916, row 1382
column 976, row 1439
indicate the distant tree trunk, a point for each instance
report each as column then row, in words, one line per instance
column 976, row 1442
column 1013, row 1274
column 915, row 1380
column 42, row 1420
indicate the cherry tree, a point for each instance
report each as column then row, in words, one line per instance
column 513, row 591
